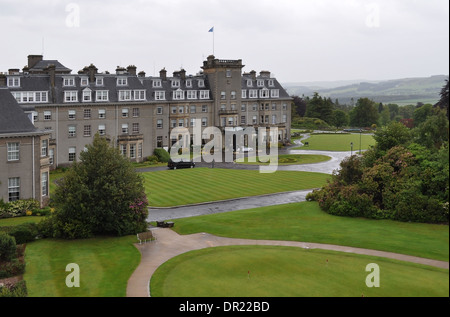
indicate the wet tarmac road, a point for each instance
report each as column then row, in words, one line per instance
column 162, row 214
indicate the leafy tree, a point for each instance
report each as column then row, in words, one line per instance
column 421, row 114
column 393, row 110
column 340, row 119
column 406, row 112
column 364, row 114
column 102, row 194
column 434, row 131
column 392, row 135
column 385, row 116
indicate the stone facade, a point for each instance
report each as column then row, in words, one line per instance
column 138, row 112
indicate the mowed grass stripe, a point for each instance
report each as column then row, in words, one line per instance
column 306, row 222
column 105, row 266
column 190, row 186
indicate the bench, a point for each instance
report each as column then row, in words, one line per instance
column 306, row 143
column 145, row 236
column 163, row 224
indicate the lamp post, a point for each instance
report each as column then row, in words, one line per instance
column 351, row 147
column 360, row 130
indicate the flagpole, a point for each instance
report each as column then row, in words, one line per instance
column 212, row 30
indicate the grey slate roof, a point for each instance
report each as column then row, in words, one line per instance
column 41, row 65
column 12, row 117
column 41, row 82
column 276, row 85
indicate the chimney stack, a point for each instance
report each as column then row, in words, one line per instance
column 50, row 70
column 183, row 74
column 264, row 73
column 120, row 70
column 33, row 60
column 253, row 73
column 141, row 74
column 92, row 71
column 2, row 80
column 132, row 70
column 163, row 74
column 13, row 71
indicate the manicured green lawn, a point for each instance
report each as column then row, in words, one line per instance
column 289, row 159
column 189, row 186
column 105, row 266
column 291, row 272
column 14, row 221
column 337, row 142
column 306, row 222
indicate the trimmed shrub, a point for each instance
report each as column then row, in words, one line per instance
column 11, row 268
column 24, row 233
column 17, row 290
column 162, row 155
column 7, row 247
column 152, row 159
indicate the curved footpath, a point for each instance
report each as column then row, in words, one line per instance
column 169, row 244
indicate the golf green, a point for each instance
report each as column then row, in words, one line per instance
column 274, row 271
column 338, row 142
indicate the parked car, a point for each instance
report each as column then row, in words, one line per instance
column 246, row 149
column 180, row 164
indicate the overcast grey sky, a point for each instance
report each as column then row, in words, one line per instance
column 297, row 40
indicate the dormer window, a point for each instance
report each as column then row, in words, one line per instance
column 87, row 95
column 69, row 82
column 271, row 83
column 122, row 81
column 264, row 93
column 71, row 96
column 201, row 83
column 13, row 81
column 249, row 83
column 160, row 95
column 124, row 95
column 191, row 94
column 157, row 83
column 178, row 94
column 84, row 81
column 175, row 83
column 139, row 95
column 260, row 83
column 189, row 83
column 99, row 81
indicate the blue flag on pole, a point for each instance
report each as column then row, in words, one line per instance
column 211, row 29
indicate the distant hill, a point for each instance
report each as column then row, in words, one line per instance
column 400, row 91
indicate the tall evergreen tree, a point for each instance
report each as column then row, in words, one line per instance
column 101, row 194
column 364, row 114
